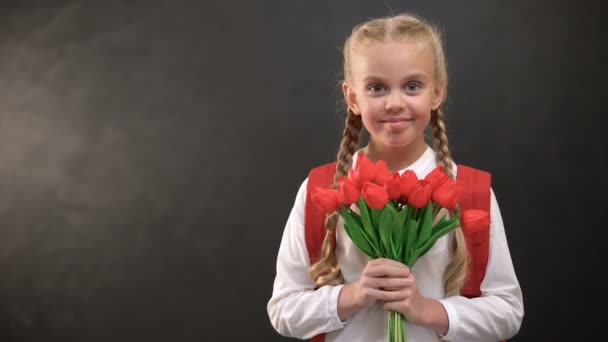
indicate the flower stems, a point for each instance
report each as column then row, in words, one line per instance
column 397, row 330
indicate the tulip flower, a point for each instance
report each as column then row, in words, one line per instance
column 327, row 200
column 393, row 186
column 365, row 170
column 447, row 194
column 348, row 191
column 436, row 177
column 421, row 194
column 375, row 195
column 353, row 178
column 381, row 173
column 408, row 181
column 474, row 220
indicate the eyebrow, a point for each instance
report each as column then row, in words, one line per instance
column 415, row 75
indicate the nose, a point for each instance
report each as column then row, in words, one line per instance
column 395, row 102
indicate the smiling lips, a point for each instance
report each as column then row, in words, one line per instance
column 396, row 123
column 396, row 120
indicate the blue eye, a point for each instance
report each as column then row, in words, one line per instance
column 412, row 86
column 375, row 88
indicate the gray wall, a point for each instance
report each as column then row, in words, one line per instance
column 150, row 152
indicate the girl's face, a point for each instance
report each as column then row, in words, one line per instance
column 394, row 91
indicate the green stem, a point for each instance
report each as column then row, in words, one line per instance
column 397, row 330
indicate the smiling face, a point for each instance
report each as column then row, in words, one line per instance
column 393, row 87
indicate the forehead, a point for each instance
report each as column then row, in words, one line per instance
column 392, row 60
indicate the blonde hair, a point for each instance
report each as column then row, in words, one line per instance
column 398, row 28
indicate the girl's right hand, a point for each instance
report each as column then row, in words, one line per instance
column 377, row 278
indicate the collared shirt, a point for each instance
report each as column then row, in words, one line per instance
column 297, row 310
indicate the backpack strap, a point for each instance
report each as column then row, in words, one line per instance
column 475, row 194
column 314, row 219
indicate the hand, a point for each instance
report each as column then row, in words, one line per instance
column 381, row 279
column 392, row 282
column 406, row 299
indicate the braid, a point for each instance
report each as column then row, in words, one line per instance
column 456, row 271
column 350, row 142
column 440, row 141
column 326, row 271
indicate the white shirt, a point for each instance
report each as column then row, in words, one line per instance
column 297, row 310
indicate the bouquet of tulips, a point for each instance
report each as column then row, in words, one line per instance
column 394, row 216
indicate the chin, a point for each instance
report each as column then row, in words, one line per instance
column 398, row 144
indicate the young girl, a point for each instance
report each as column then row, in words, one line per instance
column 395, row 83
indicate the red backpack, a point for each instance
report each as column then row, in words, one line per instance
column 474, row 194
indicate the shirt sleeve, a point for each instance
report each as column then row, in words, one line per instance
column 295, row 308
column 497, row 314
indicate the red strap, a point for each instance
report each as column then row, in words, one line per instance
column 475, row 194
column 314, row 220
column 318, row 338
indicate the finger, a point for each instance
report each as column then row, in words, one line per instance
column 387, row 270
column 385, row 261
column 397, row 288
column 393, row 306
column 387, row 283
column 386, row 296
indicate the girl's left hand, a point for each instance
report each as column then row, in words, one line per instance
column 406, row 299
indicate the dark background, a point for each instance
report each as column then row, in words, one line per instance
column 150, row 153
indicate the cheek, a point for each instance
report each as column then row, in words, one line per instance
column 421, row 107
column 371, row 106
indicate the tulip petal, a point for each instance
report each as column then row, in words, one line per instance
column 474, row 220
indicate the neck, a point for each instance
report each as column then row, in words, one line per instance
column 397, row 158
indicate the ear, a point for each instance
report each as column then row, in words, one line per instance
column 351, row 98
column 438, row 95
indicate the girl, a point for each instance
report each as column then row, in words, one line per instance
column 395, row 83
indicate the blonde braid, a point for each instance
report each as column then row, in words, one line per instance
column 456, row 271
column 440, row 141
column 326, row 271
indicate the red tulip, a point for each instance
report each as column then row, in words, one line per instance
column 327, row 200
column 348, row 191
column 421, row 194
column 408, row 181
column 353, row 178
column 365, row 170
column 375, row 196
column 436, row 177
column 393, row 186
column 475, row 220
column 446, row 195
column 382, row 173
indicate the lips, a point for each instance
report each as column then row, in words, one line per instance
column 392, row 120
column 396, row 124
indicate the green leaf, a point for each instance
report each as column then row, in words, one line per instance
column 438, row 225
column 451, row 224
column 375, row 216
column 368, row 227
column 411, row 229
column 385, row 230
column 426, row 225
column 354, row 229
column 398, row 232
